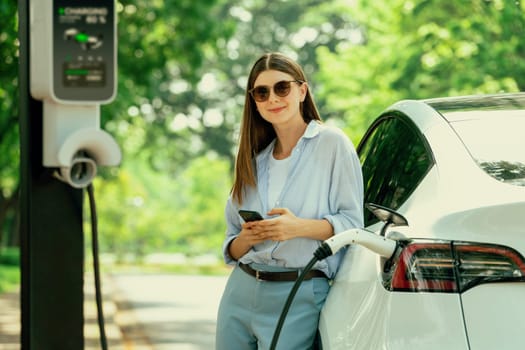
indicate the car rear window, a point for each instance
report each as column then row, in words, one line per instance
column 495, row 140
column 394, row 158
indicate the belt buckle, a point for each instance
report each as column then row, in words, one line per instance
column 257, row 277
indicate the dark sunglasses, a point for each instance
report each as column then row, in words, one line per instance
column 281, row 88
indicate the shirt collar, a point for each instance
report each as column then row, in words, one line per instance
column 312, row 130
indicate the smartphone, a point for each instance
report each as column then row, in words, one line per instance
column 249, row 215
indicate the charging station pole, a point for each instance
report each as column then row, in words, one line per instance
column 67, row 69
column 52, row 243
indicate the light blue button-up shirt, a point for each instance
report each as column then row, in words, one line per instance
column 324, row 182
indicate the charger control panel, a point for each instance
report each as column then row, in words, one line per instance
column 73, row 51
column 83, row 49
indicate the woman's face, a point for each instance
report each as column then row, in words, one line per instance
column 280, row 110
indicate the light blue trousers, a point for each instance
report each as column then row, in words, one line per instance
column 250, row 309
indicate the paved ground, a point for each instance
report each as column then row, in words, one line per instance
column 172, row 312
column 10, row 320
column 142, row 312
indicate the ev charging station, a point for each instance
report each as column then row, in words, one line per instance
column 68, row 68
column 73, row 71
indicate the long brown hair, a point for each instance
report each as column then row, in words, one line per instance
column 257, row 133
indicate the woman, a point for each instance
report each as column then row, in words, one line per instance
column 305, row 179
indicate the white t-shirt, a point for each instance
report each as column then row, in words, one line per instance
column 278, row 172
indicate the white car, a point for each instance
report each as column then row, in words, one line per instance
column 455, row 169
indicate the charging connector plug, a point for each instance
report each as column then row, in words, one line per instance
column 378, row 244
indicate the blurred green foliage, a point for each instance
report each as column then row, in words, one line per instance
column 183, row 67
column 9, row 268
column 423, row 49
column 143, row 212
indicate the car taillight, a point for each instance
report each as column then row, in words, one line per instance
column 454, row 266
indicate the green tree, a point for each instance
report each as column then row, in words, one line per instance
column 423, row 49
column 163, row 47
column 200, row 224
column 9, row 139
column 144, row 211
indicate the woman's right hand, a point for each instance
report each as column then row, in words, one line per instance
column 251, row 234
column 247, row 238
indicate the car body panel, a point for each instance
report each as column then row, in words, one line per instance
column 484, row 224
column 494, row 315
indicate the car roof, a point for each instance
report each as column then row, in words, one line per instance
column 451, row 107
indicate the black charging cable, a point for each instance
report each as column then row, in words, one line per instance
column 94, row 248
column 322, row 252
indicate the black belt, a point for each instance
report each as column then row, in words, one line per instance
column 286, row 276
